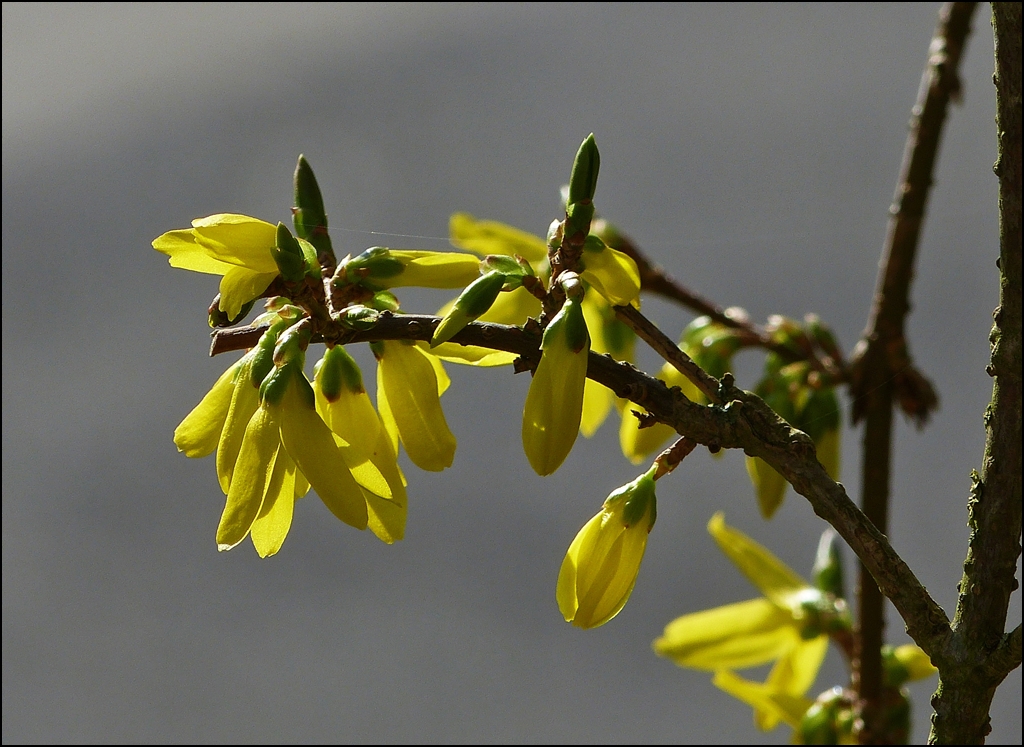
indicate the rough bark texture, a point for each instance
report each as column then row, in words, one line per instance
column 978, row 655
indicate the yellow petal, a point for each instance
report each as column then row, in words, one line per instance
column 309, row 441
column 914, row 663
column 765, row 571
column 491, row 237
column 238, row 240
column 253, row 470
column 271, row 527
column 597, row 403
column 769, row 485
column 601, row 566
column 186, row 254
column 565, row 591
column 387, row 418
column 199, row 433
column 734, row 636
column 793, row 675
column 241, row 285
column 433, row 269
column 828, row 452
column 353, row 417
column 472, row 355
column 638, row 443
column 387, row 517
column 408, row 378
column 244, row 401
column 613, row 274
column 554, row 403
column 764, row 699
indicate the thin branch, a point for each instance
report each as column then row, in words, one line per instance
column 979, row 655
column 744, row 422
column 881, row 371
column 647, row 331
column 655, row 279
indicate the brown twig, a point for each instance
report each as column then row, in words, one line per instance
column 881, row 371
column 655, row 279
column 743, row 421
column 647, row 331
column 979, row 656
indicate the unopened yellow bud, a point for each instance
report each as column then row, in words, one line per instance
column 554, row 404
column 601, row 566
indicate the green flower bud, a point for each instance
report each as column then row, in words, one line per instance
column 474, row 301
column 338, row 371
column 288, row 255
column 828, row 566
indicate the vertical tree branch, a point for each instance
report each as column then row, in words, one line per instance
column 979, row 655
column 881, row 372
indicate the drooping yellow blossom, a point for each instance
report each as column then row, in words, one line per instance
column 286, row 424
column 235, row 246
column 410, row 382
column 345, row 406
column 789, row 626
column 601, row 566
column 554, row 403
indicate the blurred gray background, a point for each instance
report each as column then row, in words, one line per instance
column 751, row 149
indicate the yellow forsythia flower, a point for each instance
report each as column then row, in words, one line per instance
column 345, row 406
column 409, row 386
column 788, row 626
column 601, row 566
column 554, row 403
column 286, row 425
column 611, row 273
column 235, row 246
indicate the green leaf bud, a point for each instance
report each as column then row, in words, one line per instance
column 786, row 332
column 583, row 181
column 828, row 565
column 358, row 317
column 309, row 202
column 474, row 301
column 308, row 215
column 556, row 232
